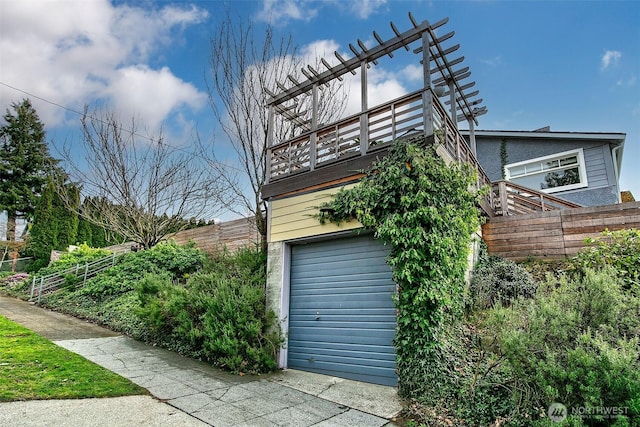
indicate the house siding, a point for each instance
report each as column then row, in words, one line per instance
column 602, row 188
column 293, row 217
column 596, row 169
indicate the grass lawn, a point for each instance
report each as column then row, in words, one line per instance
column 32, row 367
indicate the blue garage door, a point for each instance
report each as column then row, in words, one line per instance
column 341, row 312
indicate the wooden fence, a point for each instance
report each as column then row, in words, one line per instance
column 555, row 234
column 211, row 238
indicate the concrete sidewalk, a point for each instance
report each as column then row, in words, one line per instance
column 188, row 392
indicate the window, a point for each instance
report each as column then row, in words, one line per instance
column 558, row 172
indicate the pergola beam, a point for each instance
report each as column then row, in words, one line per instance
column 351, row 65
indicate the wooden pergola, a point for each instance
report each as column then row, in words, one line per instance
column 420, row 113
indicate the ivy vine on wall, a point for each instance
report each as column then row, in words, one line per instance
column 423, row 209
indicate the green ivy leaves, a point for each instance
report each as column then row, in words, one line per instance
column 424, row 210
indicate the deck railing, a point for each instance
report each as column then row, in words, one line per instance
column 514, row 199
column 354, row 135
column 449, row 138
column 368, row 131
column 403, row 118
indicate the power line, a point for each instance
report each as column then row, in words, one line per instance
column 98, row 119
column 73, row 111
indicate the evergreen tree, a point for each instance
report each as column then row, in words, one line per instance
column 66, row 219
column 24, row 163
column 91, row 233
column 42, row 235
column 54, row 226
column 85, row 232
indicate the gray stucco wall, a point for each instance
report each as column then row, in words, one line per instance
column 602, row 189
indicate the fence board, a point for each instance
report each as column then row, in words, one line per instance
column 557, row 234
column 212, row 238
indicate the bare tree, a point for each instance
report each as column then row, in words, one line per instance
column 139, row 187
column 245, row 65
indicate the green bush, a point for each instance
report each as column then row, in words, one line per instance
column 576, row 342
column 465, row 385
column 109, row 298
column 81, row 255
column 218, row 316
column 71, row 281
column 170, row 258
column 497, row 280
column 618, row 249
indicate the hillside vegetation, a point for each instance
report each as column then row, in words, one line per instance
column 175, row 296
column 526, row 347
column 554, row 349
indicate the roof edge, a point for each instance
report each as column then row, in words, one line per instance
column 616, row 136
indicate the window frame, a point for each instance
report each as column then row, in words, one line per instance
column 582, row 170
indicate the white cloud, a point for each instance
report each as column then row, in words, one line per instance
column 364, row 8
column 382, row 86
column 413, row 73
column 279, row 12
column 492, row 62
column 138, row 89
column 312, row 52
column 610, row 58
column 76, row 52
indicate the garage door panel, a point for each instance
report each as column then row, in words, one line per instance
column 377, row 284
column 352, row 359
column 346, row 324
column 342, row 316
column 313, row 250
column 355, row 363
column 373, row 281
column 385, row 317
column 370, row 299
column 336, row 271
column 370, row 317
column 388, row 352
column 348, row 336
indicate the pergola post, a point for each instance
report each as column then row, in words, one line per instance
column 270, row 124
column 427, row 94
column 452, row 100
column 364, row 106
column 313, row 149
column 472, row 135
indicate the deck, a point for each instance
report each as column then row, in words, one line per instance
column 371, row 132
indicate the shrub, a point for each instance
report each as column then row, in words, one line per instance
column 170, row 258
column 576, row 342
column 497, row 280
column 81, row 255
column 466, row 385
column 109, row 298
column 218, row 316
column 618, row 249
column 13, row 280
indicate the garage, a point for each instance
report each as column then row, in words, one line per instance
column 341, row 310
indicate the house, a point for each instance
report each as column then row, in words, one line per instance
column 331, row 287
column 580, row 167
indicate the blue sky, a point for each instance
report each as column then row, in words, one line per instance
column 571, row 65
